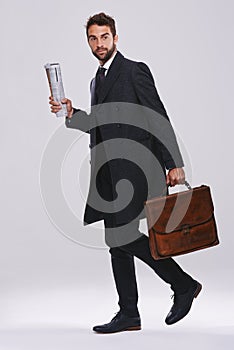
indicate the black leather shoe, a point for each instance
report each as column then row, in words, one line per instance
column 182, row 304
column 120, row 323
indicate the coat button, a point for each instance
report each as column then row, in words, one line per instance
column 118, row 125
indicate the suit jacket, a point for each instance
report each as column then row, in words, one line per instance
column 128, row 86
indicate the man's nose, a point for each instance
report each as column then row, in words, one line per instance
column 99, row 42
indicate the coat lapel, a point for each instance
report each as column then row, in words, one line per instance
column 92, row 90
column 111, row 77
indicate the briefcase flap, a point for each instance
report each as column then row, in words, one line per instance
column 179, row 211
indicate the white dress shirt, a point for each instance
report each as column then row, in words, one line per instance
column 107, row 64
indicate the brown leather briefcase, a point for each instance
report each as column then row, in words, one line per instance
column 181, row 222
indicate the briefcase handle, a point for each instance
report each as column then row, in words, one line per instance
column 165, row 191
column 187, row 185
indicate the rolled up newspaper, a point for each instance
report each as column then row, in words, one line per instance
column 54, row 76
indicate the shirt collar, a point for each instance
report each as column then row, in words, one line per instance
column 108, row 63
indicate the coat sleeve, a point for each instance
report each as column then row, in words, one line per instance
column 148, row 97
column 80, row 120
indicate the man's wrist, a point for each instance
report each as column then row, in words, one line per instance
column 70, row 114
column 175, row 167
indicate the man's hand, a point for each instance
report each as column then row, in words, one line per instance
column 55, row 106
column 175, row 176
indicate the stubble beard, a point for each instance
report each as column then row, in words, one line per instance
column 107, row 56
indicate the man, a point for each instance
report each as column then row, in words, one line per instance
column 122, row 81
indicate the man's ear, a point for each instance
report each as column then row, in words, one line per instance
column 116, row 38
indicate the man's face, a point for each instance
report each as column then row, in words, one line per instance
column 102, row 42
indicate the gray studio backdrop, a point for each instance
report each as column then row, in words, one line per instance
column 47, row 278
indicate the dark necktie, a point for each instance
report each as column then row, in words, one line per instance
column 100, row 77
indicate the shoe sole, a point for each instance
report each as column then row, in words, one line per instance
column 134, row 328
column 197, row 291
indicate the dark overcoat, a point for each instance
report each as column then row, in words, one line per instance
column 127, row 87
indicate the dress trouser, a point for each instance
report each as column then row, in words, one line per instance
column 122, row 259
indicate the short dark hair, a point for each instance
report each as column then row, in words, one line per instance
column 101, row 19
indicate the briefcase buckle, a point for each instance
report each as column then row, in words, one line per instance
column 186, row 229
